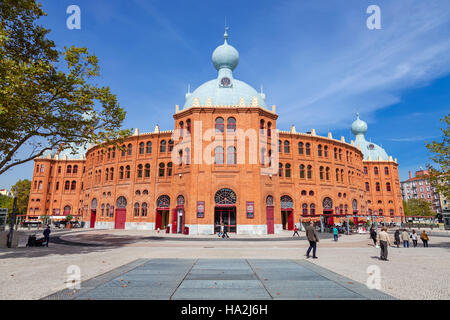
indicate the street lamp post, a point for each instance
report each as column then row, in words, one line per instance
column 13, row 219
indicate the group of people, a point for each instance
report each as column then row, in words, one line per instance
column 383, row 240
column 223, row 231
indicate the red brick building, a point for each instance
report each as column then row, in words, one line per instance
column 225, row 161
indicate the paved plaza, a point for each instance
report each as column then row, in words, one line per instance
column 220, row 279
column 118, row 264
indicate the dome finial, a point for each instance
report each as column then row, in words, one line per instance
column 357, row 115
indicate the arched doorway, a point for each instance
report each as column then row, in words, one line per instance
column 66, row 210
column 178, row 216
column 328, row 210
column 225, row 210
column 121, row 213
column 355, row 211
column 93, row 212
column 269, row 214
column 287, row 213
column 162, row 212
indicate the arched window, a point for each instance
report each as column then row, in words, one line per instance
column 181, row 128
column 170, row 145
column 144, row 209
column 263, row 156
column 308, row 149
column 309, row 172
column 67, row 185
column 136, row 209
column 380, row 212
column 269, row 201
column 111, row 173
column 188, row 155
column 67, row 210
column 128, row 172
column 188, row 125
column 149, row 147
column 169, row 169
column 303, row 193
column 106, row 174
column 180, row 157
column 37, row 168
column 103, row 210
column 141, row 148
column 139, row 171
column 300, row 148
column 162, row 147
column 367, row 186
column 319, row 150
column 288, row 170
column 375, row 170
column 328, row 173
column 365, row 170
column 75, row 169
column 388, row 186
column 130, row 149
column 325, row 151
column 355, row 206
column 327, row 203
column 312, row 209
column 147, row 170
column 218, row 155
column 321, row 173
column 304, row 209
column 287, row 148
column 124, row 150
column 261, row 126
column 138, row 193
column 219, row 125
column 225, row 197
column 337, row 175
column 287, row 202
column 121, row 173
column 69, row 169
column 109, row 213
column 302, row 171
column 335, row 153
column 180, row 200
column 377, row 186
column 342, row 175
column 311, row 193
column 279, row 146
column 162, row 169
column 113, row 152
column 231, row 125
column 346, row 209
column 231, row 155
column 391, row 212
column 280, row 169
column 269, row 129
column 121, row 203
column 73, row 185
column 386, row 171
column 145, row 192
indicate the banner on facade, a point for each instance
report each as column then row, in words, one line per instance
column 250, row 209
column 200, row 209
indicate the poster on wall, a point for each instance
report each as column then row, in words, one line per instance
column 200, row 209
column 250, row 209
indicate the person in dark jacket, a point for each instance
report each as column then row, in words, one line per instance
column 47, row 235
column 225, row 231
column 397, row 238
column 313, row 238
column 373, row 235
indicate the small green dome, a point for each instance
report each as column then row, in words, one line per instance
column 359, row 126
column 225, row 56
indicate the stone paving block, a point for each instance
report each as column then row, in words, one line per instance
column 143, row 283
column 223, row 271
column 306, row 284
column 220, row 294
column 222, row 276
column 312, row 293
column 120, row 293
column 221, row 284
column 290, row 276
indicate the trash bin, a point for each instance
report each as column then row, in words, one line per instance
column 186, row 230
column 168, row 230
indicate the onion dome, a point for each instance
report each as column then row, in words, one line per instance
column 370, row 150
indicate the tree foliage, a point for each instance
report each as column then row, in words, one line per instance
column 418, row 207
column 23, row 194
column 440, row 154
column 48, row 98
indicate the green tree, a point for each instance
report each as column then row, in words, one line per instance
column 418, row 207
column 23, row 193
column 440, row 154
column 6, row 202
column 49, row 98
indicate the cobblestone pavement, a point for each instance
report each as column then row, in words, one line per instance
column 34, row 273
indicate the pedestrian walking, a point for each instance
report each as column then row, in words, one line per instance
column 384, row 242
column 220, row 230
column 373, row 235
column 313, row 238
column 397, row 237
column 46, row 233
column 225, row 231
column 295, row 231
column 424, row 237
column 414, row 238
column 335, row 233
column 405, row 238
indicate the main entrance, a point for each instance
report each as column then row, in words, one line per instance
column 225, row 210
column 162, row 212
column 287, row 213
column 227, row 215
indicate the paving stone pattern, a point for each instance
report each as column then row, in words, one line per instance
column 224, row 279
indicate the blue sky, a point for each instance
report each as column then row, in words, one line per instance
column 317, row 60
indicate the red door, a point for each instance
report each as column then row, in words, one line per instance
column 270, row 223
column 93, row 218
column 174, row 220
column 121, row 217
column 158, row 220
column 290, row 220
